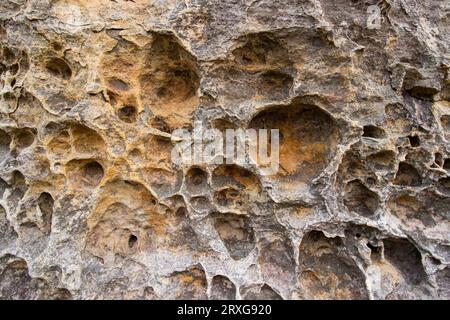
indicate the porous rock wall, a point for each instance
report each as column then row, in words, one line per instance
column 92, row 207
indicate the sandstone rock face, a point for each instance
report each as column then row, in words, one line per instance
column 93, row 207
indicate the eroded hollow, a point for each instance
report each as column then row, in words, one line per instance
column 170, row 81
column 261, row 52
column 359, row 199
column 16, row 283
column 201, row 204
column 196, row 180
column 23, row 138
column 445, row 122
column 407, row 175
column 414, row 141
column 425, row 209
column 93, row 173
column 406, row 258
column 276, row 260
column 3, row 186
column 86, row 140
column 275, row 83
column 228, row 197
column 45, row 204
column 5, row 141
column 19, row 187
column 438, row 159
column 118, row 84
column 59, row 68
column 85, row 173
column 236, row 233
column 222, row 288
column 381, row 160
column 124, row 223
column 327, row 271
column 423, row 93
column 127, row 114
column 446, row 165
column 190, row 284
column 444, row 185
column 374, row 132
column 308, row 139
column 258, row 292
column 132, row 241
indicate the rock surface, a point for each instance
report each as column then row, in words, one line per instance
column 92, row 207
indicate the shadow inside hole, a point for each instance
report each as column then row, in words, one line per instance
column 127, row 114
column 132, row 241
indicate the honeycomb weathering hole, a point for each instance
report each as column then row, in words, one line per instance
column 407, row 175
column 5, row 141
column 85, row 173
column 444, row 185
column 261, row 52
column 23, row 138
column 276, row 259
column 308, row 139
column 86, row 140
column 196, row 180
column 258, row 292
column 118, row 84
column 171, row 80
column 93, row 173
column 45, row 203
column 222, row 288
column 127, row 114
column 414, row 141
column 327, row 271
column 406, row 258
column 275, row 83
column 236, row 233
column 190, row 284
column 446, row 165
column 358, row 198
column 374, row 132
column 59, row 68
column 132, row 241
column 228, row 197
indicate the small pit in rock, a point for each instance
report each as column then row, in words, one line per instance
column 59, row 68
column 374, row 132
column 127, row 114
column 407, row 175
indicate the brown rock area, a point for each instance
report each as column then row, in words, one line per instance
column 92, row 205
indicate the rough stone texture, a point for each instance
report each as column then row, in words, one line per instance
column 92, row 207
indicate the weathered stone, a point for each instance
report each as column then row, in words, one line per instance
column 92, row 205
